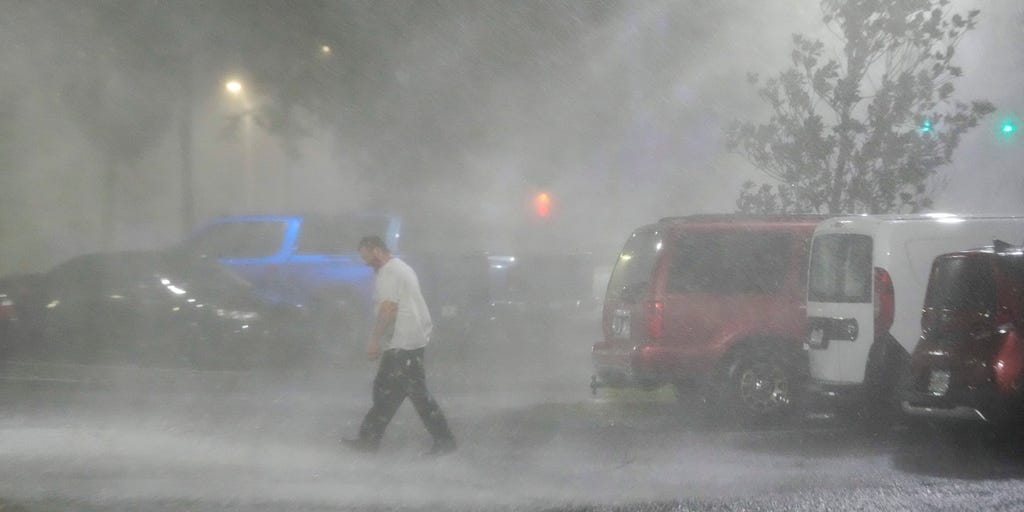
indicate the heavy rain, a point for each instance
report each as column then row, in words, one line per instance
column 676, row 255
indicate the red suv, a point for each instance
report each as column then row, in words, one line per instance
column 969, row 362
column 713, row 304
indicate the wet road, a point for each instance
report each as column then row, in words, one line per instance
column 531, row 438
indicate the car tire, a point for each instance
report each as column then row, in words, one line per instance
column 761, row 384
column 887, row 371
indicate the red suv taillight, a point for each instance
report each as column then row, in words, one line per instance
column 655, row 320
column 885, row 301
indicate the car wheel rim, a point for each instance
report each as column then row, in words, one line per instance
column 764, row 390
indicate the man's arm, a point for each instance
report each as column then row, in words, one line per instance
column 384, row 329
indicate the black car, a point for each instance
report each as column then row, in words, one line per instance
column 8, row 324
column 161, row 308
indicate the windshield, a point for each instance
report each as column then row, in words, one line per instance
column 632, row 272
column 841, row 269
column 729, row 262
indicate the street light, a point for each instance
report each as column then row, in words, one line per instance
column 234, row 87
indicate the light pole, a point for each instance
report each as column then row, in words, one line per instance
column 236, row 89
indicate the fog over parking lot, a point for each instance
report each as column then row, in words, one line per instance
column 117, row 132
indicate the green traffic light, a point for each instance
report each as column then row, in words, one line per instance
column 1008, row 128
column 926, row 127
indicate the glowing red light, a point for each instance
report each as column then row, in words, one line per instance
column 542, row 204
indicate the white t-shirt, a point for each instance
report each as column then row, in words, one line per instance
column 397, row 282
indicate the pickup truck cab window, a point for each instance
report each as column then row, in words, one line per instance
column 239, row 240
column 339, row 236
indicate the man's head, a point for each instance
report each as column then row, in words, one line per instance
column 374, row 251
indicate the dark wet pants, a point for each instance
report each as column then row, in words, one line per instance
column 401, row 375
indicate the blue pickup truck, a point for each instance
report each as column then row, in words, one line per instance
column 312, row 262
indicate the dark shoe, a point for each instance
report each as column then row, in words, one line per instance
column 441, row 448
column 359, row 445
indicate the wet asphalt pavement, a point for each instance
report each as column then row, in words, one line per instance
column 531, row 437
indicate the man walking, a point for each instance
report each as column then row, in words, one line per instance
column 400, row 333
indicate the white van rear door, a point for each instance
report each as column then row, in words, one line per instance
column 840, row 307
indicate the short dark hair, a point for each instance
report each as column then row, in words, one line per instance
column 373, row 242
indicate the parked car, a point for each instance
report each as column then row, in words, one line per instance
column 8, row 325
column 157, row 308
column 969, row 362
column 15, row 292
column 535, row 294
column 866, row 288
column 713, row 304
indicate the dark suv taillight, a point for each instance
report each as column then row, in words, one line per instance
column 655, row 320
column 885, row 302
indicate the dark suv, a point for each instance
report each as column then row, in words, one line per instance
column 713, row 304
column 969, row 362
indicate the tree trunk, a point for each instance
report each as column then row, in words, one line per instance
column 839, row 174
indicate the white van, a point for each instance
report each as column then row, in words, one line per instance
column 868, row 276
